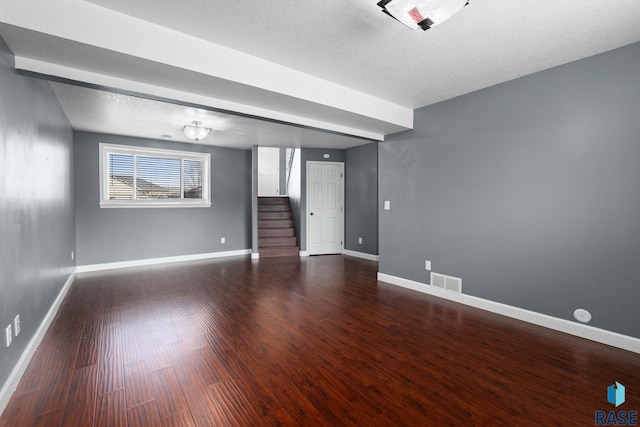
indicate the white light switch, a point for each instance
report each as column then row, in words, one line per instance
column 223, row 240
column 8, row 335
column 387, row 205
column 16, row 325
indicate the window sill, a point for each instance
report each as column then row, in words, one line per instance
column 127, row 205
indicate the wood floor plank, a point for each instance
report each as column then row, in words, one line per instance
column 138, row 384
column 53, row 394
column 145, row 415
column 88, row 351
column 111, row 410
column 297, row 342
column 234, row 405
column 20, row 410
column 38, row 371
column 203, row 409
column 110, row 376
column 259, row 396
column 181, row 419
column 294, row 401
column 209, row 367
column 279, row 418
column 168, row 393
column 50, row 419
column 80, row 405
column 90, row 341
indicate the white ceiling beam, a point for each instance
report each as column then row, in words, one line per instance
column 159, row 92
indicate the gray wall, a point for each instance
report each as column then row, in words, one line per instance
column 361, row 198
column 282, row 186
column 528, row 190
column 311, row 155
column 112, row 235
column 295, row 191
column 36, row 205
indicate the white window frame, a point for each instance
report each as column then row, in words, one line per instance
column 107, row 149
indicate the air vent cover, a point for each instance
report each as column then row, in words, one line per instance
column 449, row 283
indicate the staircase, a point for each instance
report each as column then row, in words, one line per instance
column 276, row 233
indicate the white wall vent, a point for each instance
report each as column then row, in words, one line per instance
column 449, row 283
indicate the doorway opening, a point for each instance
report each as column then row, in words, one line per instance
column 276, row 227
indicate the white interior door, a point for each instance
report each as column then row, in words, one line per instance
column 268, row 171
column 325, row 212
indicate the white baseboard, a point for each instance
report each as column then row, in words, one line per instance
column 304, row 253
column 360, row 255
column 16, row 375
column 152, row 261
column 578, row 329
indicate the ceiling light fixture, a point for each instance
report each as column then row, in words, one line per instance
column 421, row 14
column 196, row 132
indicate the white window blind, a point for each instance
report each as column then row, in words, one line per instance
column 143, row 177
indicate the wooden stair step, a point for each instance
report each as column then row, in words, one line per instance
column 274, row 208
column 274, row 215
column 275, row 223
column 273, row 201
column 276, row 241
column 270, row 232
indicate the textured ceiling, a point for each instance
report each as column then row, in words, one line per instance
column 97, row 111
column 355, row 45
column 341, row 66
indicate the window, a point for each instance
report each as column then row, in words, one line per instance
column 149, row 177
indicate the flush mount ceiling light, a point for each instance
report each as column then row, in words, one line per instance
column 195, row 132
column 421, row 14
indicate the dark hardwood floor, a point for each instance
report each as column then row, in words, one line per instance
column 315, row 342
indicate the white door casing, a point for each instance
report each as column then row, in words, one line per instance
column 325, row 207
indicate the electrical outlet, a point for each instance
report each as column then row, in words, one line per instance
column 387, row 205
column 8, row 335
column 359, row 240
column 72, row 256
column 16, row 325
column 427, row 265
column 223, row 240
